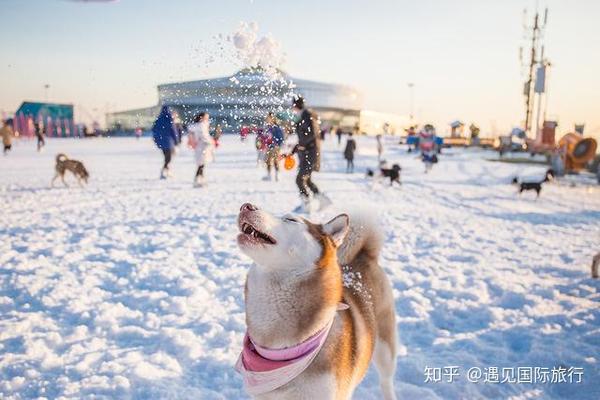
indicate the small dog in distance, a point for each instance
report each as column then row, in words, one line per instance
column 64, row 164
column 393, row 174
column 536, row 186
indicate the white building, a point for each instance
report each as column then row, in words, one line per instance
column 245, row 98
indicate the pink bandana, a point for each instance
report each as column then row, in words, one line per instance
column 264, row 370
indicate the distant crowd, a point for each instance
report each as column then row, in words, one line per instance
column 271, row 144
column 272, row 148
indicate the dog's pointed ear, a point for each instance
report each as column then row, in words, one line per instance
column 337, row 228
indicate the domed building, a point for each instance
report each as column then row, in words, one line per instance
column 245, row 98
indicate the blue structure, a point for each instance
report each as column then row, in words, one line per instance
column 57, row 119
column 45, row 110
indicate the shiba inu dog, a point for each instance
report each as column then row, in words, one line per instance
column 319, row 307
column 64, row 164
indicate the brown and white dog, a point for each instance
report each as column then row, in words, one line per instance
column 302, row 273
column 64, row 164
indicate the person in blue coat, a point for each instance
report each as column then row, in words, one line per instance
column 165, row 137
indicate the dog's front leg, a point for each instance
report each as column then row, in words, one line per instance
column 54, row 180
column 62, row 177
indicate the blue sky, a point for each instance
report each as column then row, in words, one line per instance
column 462, row 55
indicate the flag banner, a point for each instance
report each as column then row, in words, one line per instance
column 540, row 80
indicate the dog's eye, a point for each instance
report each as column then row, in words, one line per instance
column 290, row 219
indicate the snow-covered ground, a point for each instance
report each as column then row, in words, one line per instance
column 132, row 287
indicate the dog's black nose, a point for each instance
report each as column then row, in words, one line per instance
column 248, row 207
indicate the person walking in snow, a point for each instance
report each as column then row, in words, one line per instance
column 39, row 134
column 203, row 145
column 178, row 127
column 349, row 153
column 273, row 142
column 261, row 147
column 427, row 146
column 217, row 134
column 308, row 150
column 165, row 137
column 338, row 133
column 379, row 147
column 7, row 134
column 412, row 140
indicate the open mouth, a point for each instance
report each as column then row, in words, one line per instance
column 251, row 232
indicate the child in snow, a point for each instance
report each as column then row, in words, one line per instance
column 412, row 140
column 273, row 141
column 7, row 134
column 261, row 146
column 202, row 143
column 427, row 146
column 379, row 147
column 349, row 153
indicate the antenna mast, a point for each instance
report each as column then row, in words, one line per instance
column 529, row 90
column 528, row 84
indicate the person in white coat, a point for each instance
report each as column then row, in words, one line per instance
column 202, row 143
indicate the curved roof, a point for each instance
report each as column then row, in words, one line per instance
column 253, row 83
column 52, row 110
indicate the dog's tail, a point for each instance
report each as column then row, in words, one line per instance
column 364, row 236
column 61, row 157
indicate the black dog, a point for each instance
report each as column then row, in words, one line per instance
column 392, row 173
column 537, row 186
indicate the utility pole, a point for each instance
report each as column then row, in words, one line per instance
column 46, row 88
